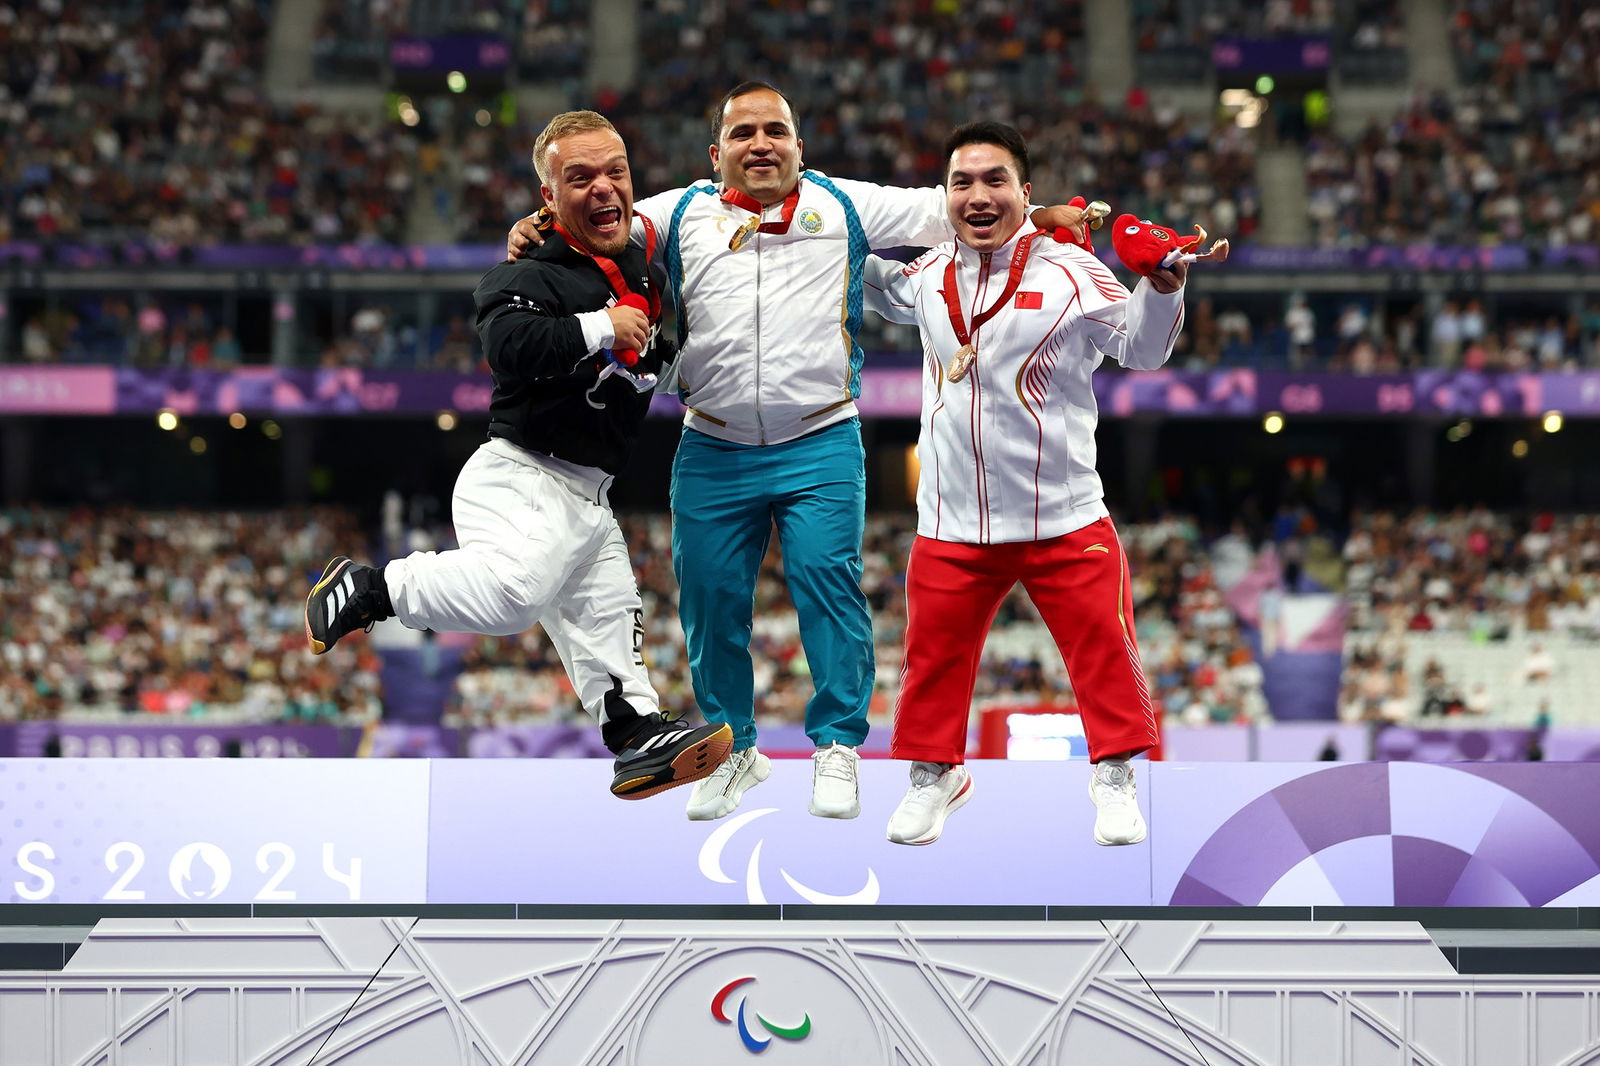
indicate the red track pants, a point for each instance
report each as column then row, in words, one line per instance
column 1080, row 584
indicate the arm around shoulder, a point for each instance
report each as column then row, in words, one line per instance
column 893, row 217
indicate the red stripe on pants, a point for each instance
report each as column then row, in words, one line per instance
column 1080, row 584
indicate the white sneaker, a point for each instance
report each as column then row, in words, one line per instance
column 835, row 792
column 933, row 794
column 716, row 796
column 1117, row 820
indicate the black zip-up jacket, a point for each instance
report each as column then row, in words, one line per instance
column 545, row 398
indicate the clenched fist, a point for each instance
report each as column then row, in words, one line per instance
column 630, row 326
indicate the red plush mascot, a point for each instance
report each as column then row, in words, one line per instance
column 1144, row 246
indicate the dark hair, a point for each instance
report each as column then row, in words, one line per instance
column 744, row 88
column 996, row 133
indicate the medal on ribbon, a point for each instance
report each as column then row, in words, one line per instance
column 754, row 225
column 967, row 354
column 742, row 235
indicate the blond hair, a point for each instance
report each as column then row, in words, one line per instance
column 564, row 125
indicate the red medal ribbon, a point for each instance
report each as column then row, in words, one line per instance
column 1019, row 260
column 750, row 203
column 613, row 273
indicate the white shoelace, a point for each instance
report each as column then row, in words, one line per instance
column 735, row 764
column 836, row 760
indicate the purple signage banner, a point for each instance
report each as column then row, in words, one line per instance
column 770, row 850
column 1271, row 55
column 466, row 52
column 159, row 740
column 1228, row 834
column 887, row 393
column 548, row 831
column 213, row 830
column 1376, row 834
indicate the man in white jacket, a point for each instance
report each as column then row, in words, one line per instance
column 1013, row 324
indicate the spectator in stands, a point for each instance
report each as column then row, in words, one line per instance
column 1539, row 666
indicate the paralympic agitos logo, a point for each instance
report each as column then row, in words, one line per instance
column 753, row 1044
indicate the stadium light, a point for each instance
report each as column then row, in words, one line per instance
column 1273, row 422
column 167, row 419
column 1553, row 422
column 446, row 420
column 1519, row 448
column 456, row 81
column 237, row 420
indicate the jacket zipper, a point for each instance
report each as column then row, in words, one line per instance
column 761, row 425
column 977, row 413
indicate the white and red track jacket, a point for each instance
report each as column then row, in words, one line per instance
column 1008, row 452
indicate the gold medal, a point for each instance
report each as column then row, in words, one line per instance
column 960, row 363
column 741, row 236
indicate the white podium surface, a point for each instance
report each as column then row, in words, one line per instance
column 362, row 991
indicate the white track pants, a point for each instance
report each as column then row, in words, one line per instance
column 538, row 545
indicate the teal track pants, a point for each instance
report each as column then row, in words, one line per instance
column 726, row 499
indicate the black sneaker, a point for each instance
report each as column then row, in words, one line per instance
column 672, row 753
column 348, row 596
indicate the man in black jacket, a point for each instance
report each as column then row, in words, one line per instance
column 570, row 334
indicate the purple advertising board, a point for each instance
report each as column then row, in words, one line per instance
column 770, row 850
column 890, row 392
column 143, row 738
column 1248, row 834
column 467, row 52
column 1286, row 54
column 548, row 831
column 1376, row 834
column 212, row 830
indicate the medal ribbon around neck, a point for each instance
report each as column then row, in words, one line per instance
column 742, row 235
column 613, row 273
column 952, row 302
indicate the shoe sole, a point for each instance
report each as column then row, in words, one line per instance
column 330, row 573
column 847, row 812
column 698, row 760
column 958, row 801
column 1144, row 830
column 725, row 805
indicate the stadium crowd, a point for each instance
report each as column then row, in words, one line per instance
column 1474, row 572
column 1485, row 579
column 123, row 122
column 113, row 611
column 117, row 611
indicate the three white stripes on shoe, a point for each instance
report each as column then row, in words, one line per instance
column 339, row 597
column 657, row 740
